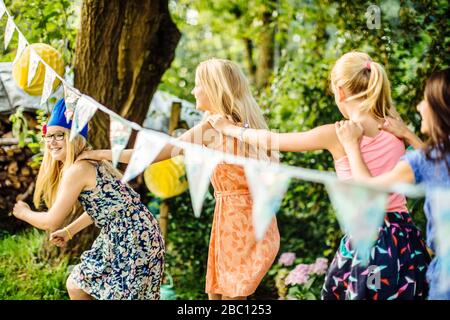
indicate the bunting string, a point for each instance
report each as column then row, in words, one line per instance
column 81, row 108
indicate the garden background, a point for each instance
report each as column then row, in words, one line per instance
column 287, row 49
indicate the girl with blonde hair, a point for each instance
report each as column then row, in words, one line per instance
column 126, row 260
column 428, row 165
column 236, row 261
column 362, row 93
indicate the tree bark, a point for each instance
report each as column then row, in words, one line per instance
column 265, row 47
column 123, row 49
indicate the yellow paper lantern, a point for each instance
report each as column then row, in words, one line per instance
column 50, row 55
column 167, row 178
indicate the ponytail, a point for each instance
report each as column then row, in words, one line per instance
column 367, row 80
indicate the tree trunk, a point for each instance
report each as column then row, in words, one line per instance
column 265, row 47
column 123, row 49
column 249, row 58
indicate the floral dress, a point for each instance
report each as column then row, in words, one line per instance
column 126, row 260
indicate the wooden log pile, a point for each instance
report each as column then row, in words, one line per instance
column 17, row 177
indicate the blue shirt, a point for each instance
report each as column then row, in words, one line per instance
column 431, row 174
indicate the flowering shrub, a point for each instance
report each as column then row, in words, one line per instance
column 303, row 282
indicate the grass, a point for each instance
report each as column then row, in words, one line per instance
column 24, row 275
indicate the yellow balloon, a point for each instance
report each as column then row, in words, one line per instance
column 167, row 178
column 50, row 55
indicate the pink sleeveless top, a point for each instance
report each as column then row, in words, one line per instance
column 380, row 153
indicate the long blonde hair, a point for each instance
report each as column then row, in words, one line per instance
column 366, row 79
column 228, row 90
column 51, row 171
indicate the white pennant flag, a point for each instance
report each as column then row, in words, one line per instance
column 48, row 84
column 146, row 149
column 20, row 48
column 119, row 133
column 198, row 170
column 440, row 207
column 2, row 9
column 267, row 184
column 32, row 65
column 84, row 111
column 360, row 212
column 71, row 96
column 9, row 31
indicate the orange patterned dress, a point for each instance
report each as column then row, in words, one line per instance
column 236, row 261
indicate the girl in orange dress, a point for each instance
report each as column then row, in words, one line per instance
column 236, row 261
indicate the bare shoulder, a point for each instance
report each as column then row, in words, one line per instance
column 81, row 169
column 327, row 133
column 330, row 140
column 328, row 129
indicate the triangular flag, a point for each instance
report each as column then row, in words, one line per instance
column 440, row 207
column 198, row 170
column 32, row 65
column 84, row 111
column 360, row 212
column 20, row 48
column 146, row 149
column 267, row 184
column 119, row 133
column 2, row 9
column 47, row 88
column 9, row 31
column 71, row 96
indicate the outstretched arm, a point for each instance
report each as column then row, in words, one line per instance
column 319, row 138
column 72, row 183
column 349, row 134
column 202, row 133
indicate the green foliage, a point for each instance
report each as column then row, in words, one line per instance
column 187, row 245
column 24, row 274
column 50, row 22
column 412, row 42
column 29, row 137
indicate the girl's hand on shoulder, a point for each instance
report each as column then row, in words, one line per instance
column 91, row 155
column 219, row 122
column 395, row 126
column 348, row 132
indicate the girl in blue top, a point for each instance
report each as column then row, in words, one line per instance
column 429, row 165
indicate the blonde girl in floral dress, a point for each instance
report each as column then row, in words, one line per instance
column 127, row 258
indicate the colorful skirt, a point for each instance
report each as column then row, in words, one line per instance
column 396, row 269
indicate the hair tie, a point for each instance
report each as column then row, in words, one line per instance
column 368, row 65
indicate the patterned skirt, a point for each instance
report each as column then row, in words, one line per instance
column 396, row 269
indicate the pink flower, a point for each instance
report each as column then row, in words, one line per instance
column 287, row 259
column 319, row 267
column 299, row 275
column 44, row 129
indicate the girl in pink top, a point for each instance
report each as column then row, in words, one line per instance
column 362, row 93
column 381, row 153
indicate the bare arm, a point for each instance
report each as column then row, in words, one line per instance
column 72, row 183
column 320, row 138
column 202, row 133
column 80, row 223
column 61, row 236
